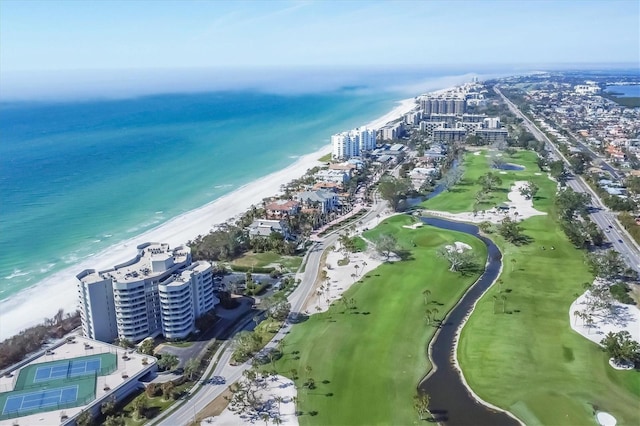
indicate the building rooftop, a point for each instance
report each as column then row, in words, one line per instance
column 152, row 259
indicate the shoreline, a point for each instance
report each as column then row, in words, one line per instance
column 59, row 290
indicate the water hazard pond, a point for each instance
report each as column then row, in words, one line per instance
column 451, row 402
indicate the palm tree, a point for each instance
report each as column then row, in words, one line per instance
column 279, row 400
column 356, row 267
column 426, row 295
column 504, row 303
column 140, row 405
column 354, row 276
column 427, row 316
column 434, row 312
column 294, row 373
column 191, row 367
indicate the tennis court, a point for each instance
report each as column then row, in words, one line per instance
column 39, row 399
column 73, row 368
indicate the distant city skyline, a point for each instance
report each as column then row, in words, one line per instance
column 72, row 35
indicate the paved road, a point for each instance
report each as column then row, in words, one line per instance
column 208, row 392
column 619, row 238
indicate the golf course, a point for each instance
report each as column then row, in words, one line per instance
column 367, row 358
column 527, row 359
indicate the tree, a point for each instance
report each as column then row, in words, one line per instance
column 168, row 361
column 460, row 260
column 393, row 190
column 452, row 177
column 114, row 421
column 108, row 407
column 147, row 346
column 84, row 418
column 426, row 295
column 621, row 347
column 489, row 181
column 607, row 265
column 191, row 367
column 386, row 244
column 570, row 202
column 511, row 231
column 421, row 404
column 168, row 390
column 529, row 190
column 140, row 405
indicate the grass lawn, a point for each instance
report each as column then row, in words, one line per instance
column 359, row 244
column 531, row 362
column 461, row 198
column 367, row 361
column 325, row 158
column 261, row 260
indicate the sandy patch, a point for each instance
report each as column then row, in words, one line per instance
column 414, row 226
column 503, row 173
column 620, row 317
column 605, row 419
column 477, row 153
column 458, row 246
column 538, row 174
column 520, row 208
column 341, row 278
column 286, row 410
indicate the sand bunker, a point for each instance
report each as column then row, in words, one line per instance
column 605, row 419
column 520, row 208
column 459, row 247
column 414, row 226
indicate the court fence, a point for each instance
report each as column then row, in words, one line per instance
column 60, row 406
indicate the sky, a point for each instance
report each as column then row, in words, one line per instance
column 52, row 36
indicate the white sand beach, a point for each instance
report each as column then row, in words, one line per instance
column 286, row 410
column 520, row 208
column 59, row 290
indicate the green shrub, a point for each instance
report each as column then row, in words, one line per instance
column 619, row 292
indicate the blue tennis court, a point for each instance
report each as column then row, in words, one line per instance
column 40, row 399
column 67, row 369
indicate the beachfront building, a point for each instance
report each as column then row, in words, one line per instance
column 265, row 227
column 353, row 143
column 392, row 131
column 158, row 292
column 335, row 176
column 279, row 209
column 324, row 201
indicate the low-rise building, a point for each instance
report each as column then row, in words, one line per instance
column 279, row 209
column 264, row 228
column 324, row 201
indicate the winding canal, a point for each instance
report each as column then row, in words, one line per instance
column 451, row 402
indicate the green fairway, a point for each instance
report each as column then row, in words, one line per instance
column 461, row 198
column 372, row 357
column 529, row 361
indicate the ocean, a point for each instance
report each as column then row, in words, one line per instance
column 78, row 177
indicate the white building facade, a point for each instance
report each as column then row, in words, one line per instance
column 160, row 291
column 353, row 143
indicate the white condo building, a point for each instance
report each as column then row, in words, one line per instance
column 353, row 143
column 160, row 291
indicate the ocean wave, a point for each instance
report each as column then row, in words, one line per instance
column 107, row 236
column 47, row 268
column 293, row 157
column 227, row 185
column 16, row 273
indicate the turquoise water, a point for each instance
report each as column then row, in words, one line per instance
column 78, row 177
column 626, row 91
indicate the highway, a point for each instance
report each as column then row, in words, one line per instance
column 203, row 394
column 619, row 238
